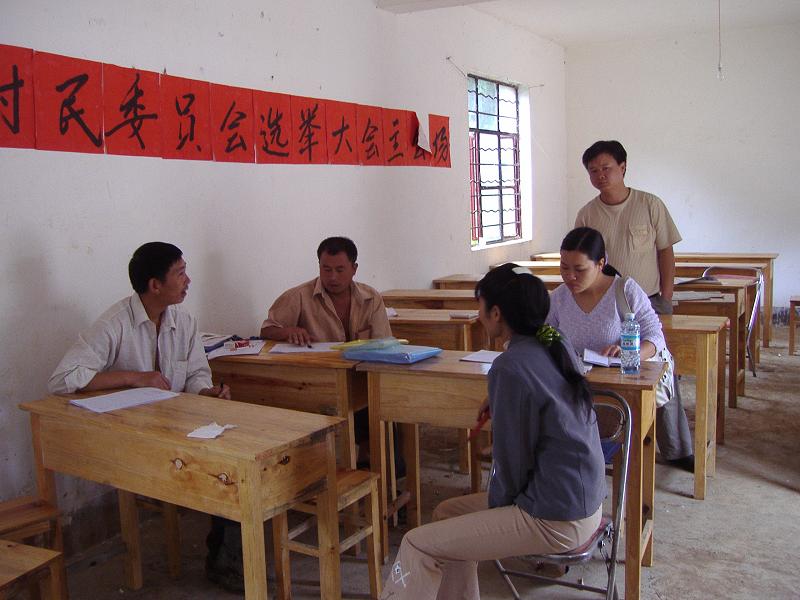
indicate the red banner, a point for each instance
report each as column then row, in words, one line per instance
column 369, row 135
column 309, row 131
column 395, row 138
column 341, row 119
column 440, row 140
column 232, row 123
column 131, row 103
column 273, row 117
column 185, row 118
column 68, row 94
column 17, row 128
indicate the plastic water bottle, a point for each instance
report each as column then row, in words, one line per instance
column 629, row 344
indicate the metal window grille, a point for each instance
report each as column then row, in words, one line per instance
column 493, row 109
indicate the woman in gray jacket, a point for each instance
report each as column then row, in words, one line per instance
column 547, row 482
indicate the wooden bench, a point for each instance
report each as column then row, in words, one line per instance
column 25, row 566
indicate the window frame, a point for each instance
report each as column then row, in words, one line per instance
column 496, row 188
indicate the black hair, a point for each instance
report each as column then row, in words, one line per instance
column 334, row 245
column 612, row 147
column 590, row 242
column 151, row 260
column 524, row 303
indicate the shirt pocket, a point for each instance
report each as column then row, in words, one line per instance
column 641, row 237
column 176, row 373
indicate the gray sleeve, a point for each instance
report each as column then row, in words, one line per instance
column 198, row 373
column 513, row 437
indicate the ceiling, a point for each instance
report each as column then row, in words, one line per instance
column 577, row 22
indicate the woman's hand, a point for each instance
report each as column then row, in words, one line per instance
column 612, row 350
column 483, row 411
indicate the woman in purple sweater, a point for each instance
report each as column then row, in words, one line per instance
column 584, row 309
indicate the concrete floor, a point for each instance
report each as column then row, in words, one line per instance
column 741, row 542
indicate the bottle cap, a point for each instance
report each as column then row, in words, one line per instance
column 630, row 316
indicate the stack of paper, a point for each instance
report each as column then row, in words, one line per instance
column 124, row 399
column 595, row 358
column 482, row 356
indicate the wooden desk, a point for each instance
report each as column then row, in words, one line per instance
column 461, row 281
column 765, row 259
column 695, row 342
column 429, row 327
column 273, row 458
column 322, row 383
column 431, row 299
column 742, row 292
column 447, row 392
column 438, row 328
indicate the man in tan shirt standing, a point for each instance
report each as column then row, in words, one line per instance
column 331, row 307
column 639, row 234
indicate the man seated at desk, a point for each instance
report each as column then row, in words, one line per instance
column 145, row 340
column 331, row 308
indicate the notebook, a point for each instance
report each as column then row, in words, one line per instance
column 399, row 354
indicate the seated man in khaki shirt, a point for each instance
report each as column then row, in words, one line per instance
column 331, row 307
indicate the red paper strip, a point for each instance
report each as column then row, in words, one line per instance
column 185, row 118
column 232, row 123
column 416, row 155
column 309, row 131
column 17, row 128
column 273, row 118
column 395, row 138
column 440, row 140
column 131, row 103
column 341, row 119
column 68, row 94
column 369, row 125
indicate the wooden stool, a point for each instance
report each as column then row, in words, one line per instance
column 24, row 518
column 794, row 303
column 351, row 486
column 22, row 565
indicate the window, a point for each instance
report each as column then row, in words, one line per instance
column 494, row 171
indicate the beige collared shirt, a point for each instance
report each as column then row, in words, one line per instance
column 634, row 231
column 124, row 339
column 309, row 306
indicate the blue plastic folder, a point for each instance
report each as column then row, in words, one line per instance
column 402, row 354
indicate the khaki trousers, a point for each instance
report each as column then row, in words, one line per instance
column 440, row 560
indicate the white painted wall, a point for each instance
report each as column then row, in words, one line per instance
column 723, row 155
column 69, row 222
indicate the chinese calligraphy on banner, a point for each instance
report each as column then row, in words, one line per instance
column 54, row 102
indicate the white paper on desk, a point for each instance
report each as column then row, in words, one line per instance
column 463, row 314
column 390, row 312
column 123, row 399
column 481, row 356
column 254, row 347
column 595, row 358
column 690, row 295
column 210, row 431
column 295, row 349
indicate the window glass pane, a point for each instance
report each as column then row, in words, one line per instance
column 473, row 121
column 508, row 125
column 487, row 96
column 509, row 177
column 487, row 122
column 489, row 175
column 472, row 103
column 508, row 101
column 507, row 155
column 471, row 84
column 491, row 202
column 491, row 234
column 510, row 231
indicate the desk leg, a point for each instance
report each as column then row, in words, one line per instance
column 129, row 523
column 733, row 361
column 330, row 575
column 377, row 454
column 721, row 343
column 411, row 455
column 705, row 379
column 767, row 271
column 45, row 481
column 742, row 354
column 254, row 551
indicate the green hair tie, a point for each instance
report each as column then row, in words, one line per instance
column 547, row 334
